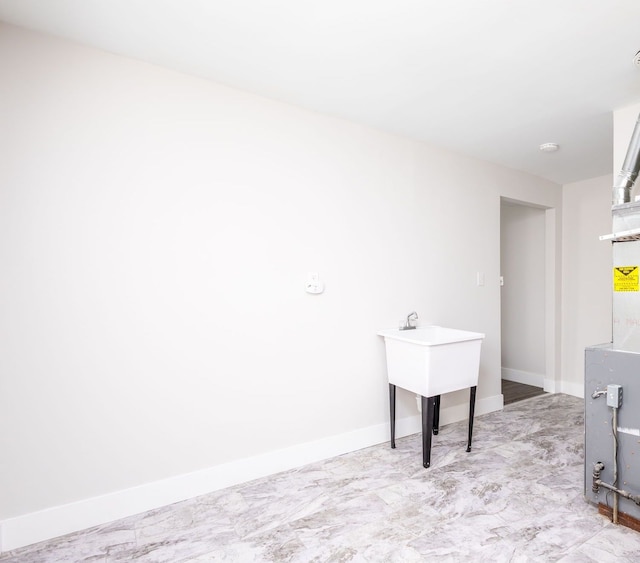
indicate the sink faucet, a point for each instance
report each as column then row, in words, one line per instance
column 410, row 317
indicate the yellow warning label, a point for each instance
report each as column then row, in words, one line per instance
column 625, row 278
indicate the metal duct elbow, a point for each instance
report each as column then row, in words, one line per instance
column 627, row 176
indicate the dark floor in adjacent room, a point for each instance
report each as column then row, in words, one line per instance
column 514, row 392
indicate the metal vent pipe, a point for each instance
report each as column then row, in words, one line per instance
column 627, row 176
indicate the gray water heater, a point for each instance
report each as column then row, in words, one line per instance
column 612, row 370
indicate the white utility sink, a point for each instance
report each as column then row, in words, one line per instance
column 432, row 360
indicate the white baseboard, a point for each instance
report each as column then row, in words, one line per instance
column 65, row 519
column 574, row 389
column 539, row 380
column 521, row 376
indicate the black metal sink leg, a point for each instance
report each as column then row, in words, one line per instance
column 392, row 410
column 472, row 407
column 428, row 410
column 436, row 416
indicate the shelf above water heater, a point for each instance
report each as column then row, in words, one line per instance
column 623, row 236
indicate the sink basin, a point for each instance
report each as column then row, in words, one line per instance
column 432, row 360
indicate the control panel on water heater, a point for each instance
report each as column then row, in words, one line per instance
column 614, row 396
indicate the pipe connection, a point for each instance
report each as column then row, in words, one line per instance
column 597, row 483
column 627, row 176
column 597, row 470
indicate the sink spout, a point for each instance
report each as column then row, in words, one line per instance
column 413, row 316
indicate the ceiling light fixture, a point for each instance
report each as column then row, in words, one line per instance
column 636, row 59
column 549, row 147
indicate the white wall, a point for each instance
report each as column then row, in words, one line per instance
column 522, row 245
column 156, row 231
column 587, row 262
column 586, row 275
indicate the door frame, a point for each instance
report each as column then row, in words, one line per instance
column 551, row 291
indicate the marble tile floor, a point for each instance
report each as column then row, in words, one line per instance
column 516, row 497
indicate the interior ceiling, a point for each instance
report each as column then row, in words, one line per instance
column 492, row 79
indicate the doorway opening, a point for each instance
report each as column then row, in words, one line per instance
column 524, row 300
